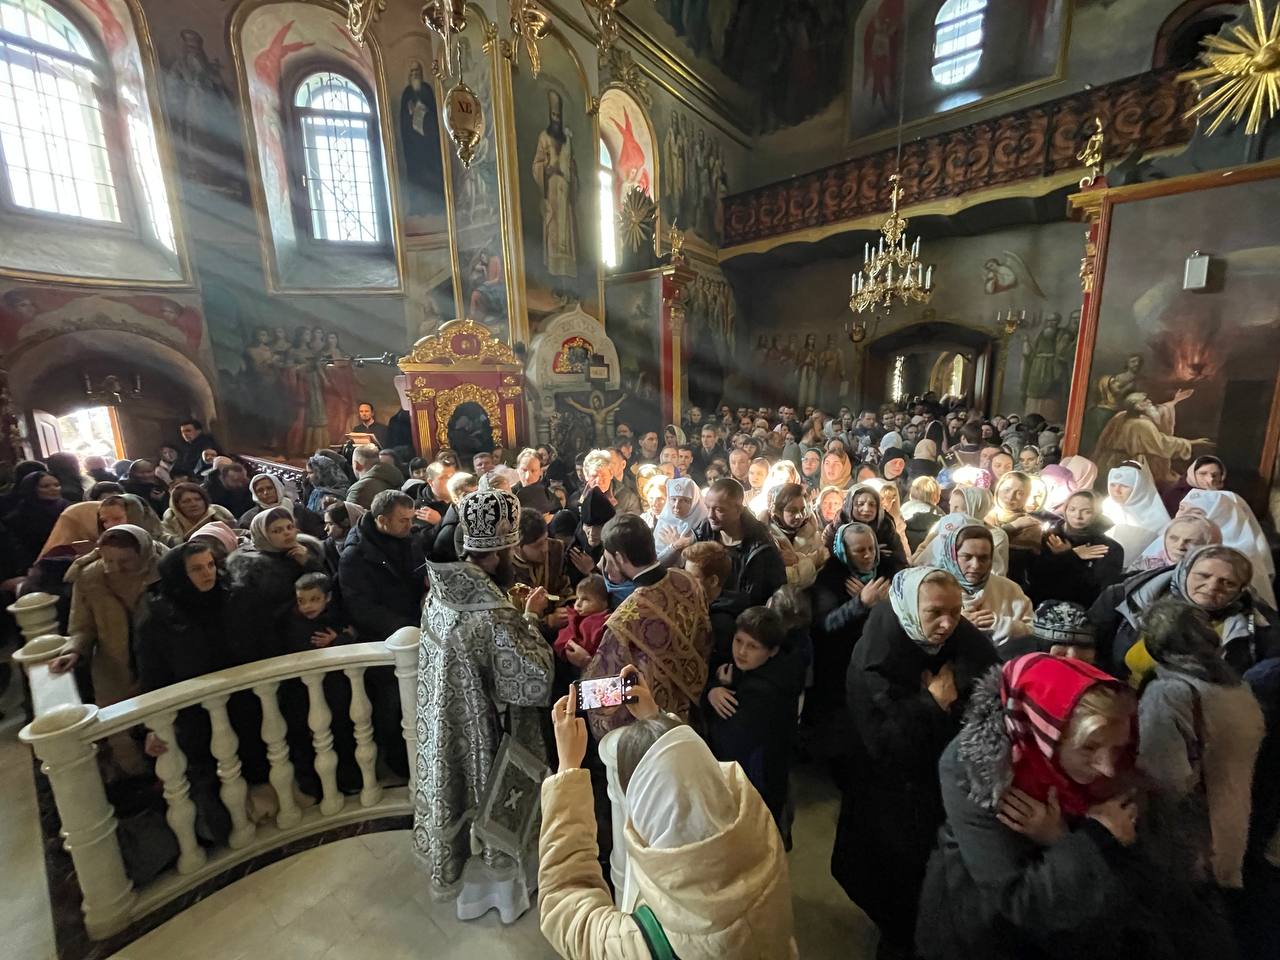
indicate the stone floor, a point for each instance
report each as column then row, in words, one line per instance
column 363, row 897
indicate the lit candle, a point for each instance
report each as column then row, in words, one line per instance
column 866, row 251
column 928, row 279
column 88, row 387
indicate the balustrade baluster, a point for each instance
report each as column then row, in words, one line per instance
column 224, row 745
column 274, row 730
column 319, row 719
column 171, row 768
column 62, row 740
column 366, row 751
column 403, row 645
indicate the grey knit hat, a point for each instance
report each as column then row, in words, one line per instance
column 1058, row 621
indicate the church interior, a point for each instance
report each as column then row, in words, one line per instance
column 360, row 239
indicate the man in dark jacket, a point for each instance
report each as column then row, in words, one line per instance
column 382, row 581
column 229, row 487
column 708, row 450
column 758, row 569
column 194, row 443
column 373, row 476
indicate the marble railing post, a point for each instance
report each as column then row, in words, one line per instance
column 274, row 731
column 319, row 719
column 403, row 645
column 36, row 613
column 366, row 750
column 67, row 754
column 171, row 768
column 224, row 745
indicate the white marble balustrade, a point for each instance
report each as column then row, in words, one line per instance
column 65, row 733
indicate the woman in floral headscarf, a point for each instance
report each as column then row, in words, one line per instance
column 992, row 603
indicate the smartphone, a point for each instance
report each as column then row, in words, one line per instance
column 605, row 692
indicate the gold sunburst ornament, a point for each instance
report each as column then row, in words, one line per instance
column 635, row 219
column 1241, row 73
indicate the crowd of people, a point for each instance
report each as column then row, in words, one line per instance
column 1050, row 699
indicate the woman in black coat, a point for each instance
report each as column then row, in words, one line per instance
column 35, row 509
column 1078, row 560
column 181, row 633
column 862, row 505
column 262, row 575
column 909, row 681
column 848, row 587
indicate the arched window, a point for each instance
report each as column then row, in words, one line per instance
column 957, row 44
column 58, row 157
column 341, row 168
column 608, row 203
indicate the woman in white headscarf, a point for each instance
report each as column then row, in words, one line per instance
column 268, row 492
column 968, row 506
column 1240, row 529
column 706, row 875
column 682, row 513
column 1181, row 534
column 1133, row 505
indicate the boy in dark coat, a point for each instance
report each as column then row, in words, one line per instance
column 752, row 703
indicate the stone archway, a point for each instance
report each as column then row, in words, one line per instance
column 47, row 373
column 928, row 347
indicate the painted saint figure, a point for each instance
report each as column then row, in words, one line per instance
column 1112, row 388
column 420, row 141
column 1047, row 362
column 1146, row 429
column 806, row 360
column 830, row 375
column 556, row 173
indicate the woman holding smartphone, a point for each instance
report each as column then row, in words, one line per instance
column 690, row 876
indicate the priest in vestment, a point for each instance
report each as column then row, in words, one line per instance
column 663, row 627
column 484, row 680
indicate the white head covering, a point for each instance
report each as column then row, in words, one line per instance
column 667, row 520
column 1240, row 529
column 1155, row 556
column 904, row 595
column 932, row 555
column 890, row 440
column 1139, row 519
column 281, row 499
column 677, row 797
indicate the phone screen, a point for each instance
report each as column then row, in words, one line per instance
column 605, row 692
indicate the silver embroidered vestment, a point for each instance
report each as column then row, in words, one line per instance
column 481, row 667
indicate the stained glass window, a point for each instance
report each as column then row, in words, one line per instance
column 52, row 134
column 337, row 129
column 958, row 36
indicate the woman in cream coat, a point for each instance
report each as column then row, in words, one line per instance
column 708, row 865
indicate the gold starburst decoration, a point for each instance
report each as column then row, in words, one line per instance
column 1241, row 73
column 635, row 219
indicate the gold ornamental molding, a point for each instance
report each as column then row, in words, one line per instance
column 460, row 342
column 447, row 401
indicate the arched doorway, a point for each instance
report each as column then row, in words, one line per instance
column 49, row 376
column 932, row 357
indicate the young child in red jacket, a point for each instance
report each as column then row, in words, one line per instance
column 579, row 637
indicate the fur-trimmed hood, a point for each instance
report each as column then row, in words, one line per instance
column 983, row 746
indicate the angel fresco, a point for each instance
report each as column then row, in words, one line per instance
column 1007, row 272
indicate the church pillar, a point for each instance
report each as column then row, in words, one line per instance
column 676, row 280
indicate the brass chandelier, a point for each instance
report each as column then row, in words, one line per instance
column 892, row 270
